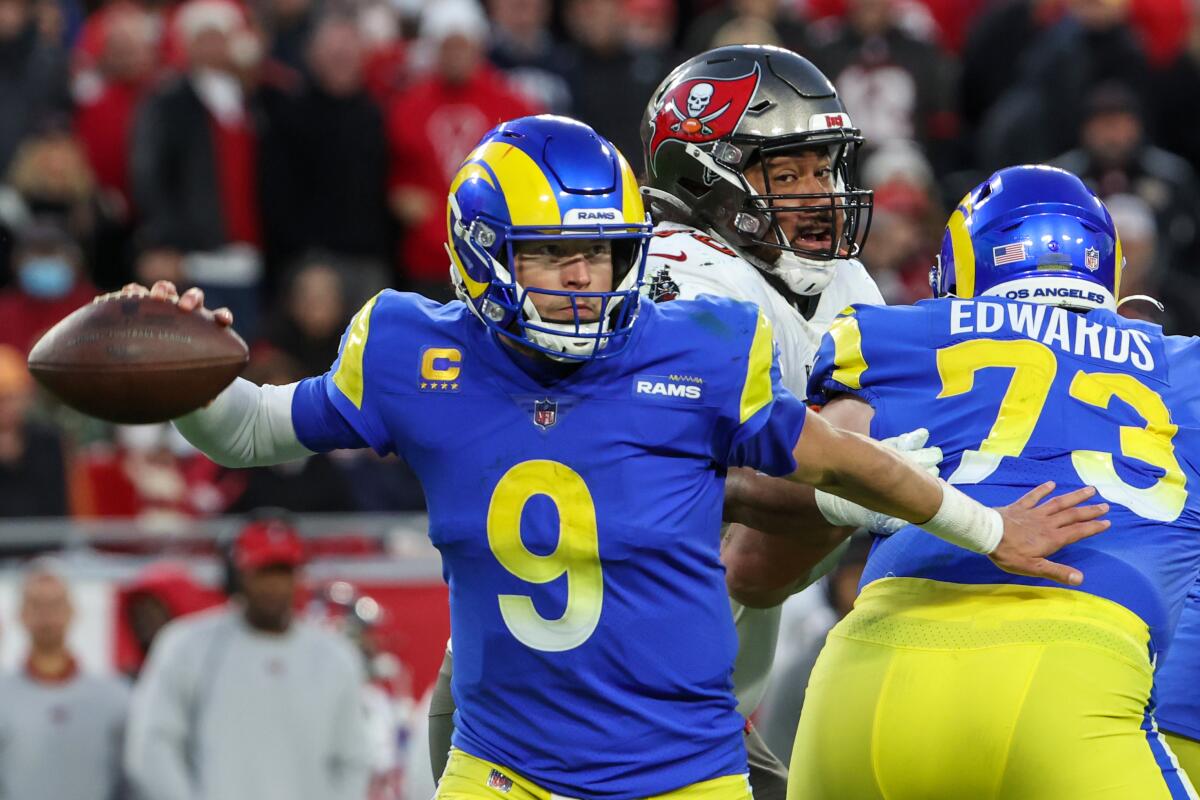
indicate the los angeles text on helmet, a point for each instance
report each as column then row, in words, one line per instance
column 1054, row 327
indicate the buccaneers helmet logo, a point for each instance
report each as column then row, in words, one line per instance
column 702, row 109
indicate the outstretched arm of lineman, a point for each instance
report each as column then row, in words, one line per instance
column 784, row 535
column 1017, row 538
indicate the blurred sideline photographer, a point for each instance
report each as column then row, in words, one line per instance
column 60, row 729
column 246, row 703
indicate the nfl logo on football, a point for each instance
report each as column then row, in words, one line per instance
column 1091, row 258
column 545, row 413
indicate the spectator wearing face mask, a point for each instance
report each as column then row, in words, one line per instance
column 49, row 285
column 50, row 180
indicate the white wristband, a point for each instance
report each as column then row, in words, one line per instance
column 965, row 522
column 843, row 513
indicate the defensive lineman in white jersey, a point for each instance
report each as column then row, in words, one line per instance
column 751, row 171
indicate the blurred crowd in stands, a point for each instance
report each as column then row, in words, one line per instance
column 292, row 157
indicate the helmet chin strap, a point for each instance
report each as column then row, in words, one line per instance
column 569, row 340
column 565, row 342
column 803, row 276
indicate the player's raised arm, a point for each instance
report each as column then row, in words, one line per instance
column 1017, row 537
column 249, row 425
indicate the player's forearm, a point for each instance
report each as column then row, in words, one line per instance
column 776, row 506
column 865, row 472
column 246, row 426
column 763, row 570
column 861, row 470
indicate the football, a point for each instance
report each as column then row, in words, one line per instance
column 136, row 360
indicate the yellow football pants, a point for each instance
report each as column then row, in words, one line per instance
column 1187, row 753
column 470, row 778
column 937, row 691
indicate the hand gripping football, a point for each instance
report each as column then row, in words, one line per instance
column 137, row 360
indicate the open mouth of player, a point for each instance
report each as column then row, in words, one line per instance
column 813, row 234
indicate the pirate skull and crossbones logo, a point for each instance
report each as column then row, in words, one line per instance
column 696, row 121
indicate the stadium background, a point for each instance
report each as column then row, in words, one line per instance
column 307, row 166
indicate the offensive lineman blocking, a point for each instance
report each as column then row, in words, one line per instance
column 951, row 678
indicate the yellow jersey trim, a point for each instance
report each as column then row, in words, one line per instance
column 756, row 391
column 349, row 375
column 848, row 359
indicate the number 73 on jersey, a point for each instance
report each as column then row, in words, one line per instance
column 1034, row 368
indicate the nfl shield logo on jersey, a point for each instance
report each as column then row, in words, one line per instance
column 545, row 413
column 1091, row 259
column 498, row 780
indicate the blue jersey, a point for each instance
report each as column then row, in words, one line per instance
column 1018, row 393
column 578, row 516
column 1177, row 699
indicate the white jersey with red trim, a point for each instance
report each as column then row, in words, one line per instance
column 698, row 263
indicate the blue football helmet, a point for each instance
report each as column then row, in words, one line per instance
column 1031, row 233
column 544, row 178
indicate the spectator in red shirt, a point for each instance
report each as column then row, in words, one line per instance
column 431, row 128
column 107, row 96
column 149, row 473
column 49, row 285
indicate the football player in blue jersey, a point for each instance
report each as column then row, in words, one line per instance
column 572, row 442
column 952, row 678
